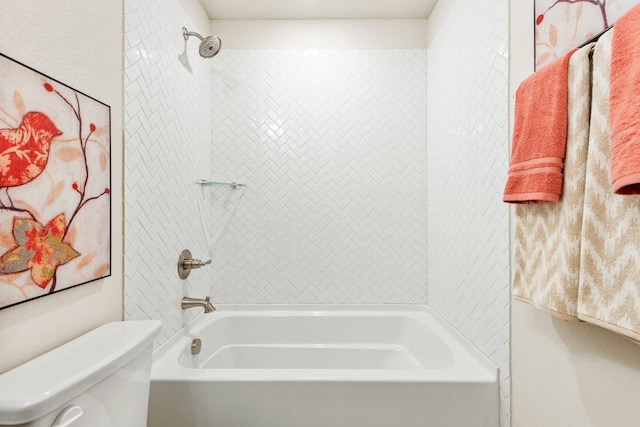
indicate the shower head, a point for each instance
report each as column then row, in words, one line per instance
column 209, row 46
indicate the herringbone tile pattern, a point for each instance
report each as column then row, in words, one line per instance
column 332, row 147
column 467, row 161
column 167, row 148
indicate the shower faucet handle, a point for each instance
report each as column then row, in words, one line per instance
column 194, row 263
column 186, row 263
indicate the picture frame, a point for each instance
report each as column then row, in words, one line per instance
column 55, row 185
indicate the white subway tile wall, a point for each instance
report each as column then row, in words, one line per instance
column 468, row 225
column 332, row 147
column 167, row 148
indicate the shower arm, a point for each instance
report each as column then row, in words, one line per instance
column 186, row 34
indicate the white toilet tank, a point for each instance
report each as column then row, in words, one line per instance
column 100, row 379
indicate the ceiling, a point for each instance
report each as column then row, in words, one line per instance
column 318, row 9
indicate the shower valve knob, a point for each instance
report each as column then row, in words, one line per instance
column 194, row 263
column 186, row 263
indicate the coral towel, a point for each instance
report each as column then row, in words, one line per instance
column 539, row 136
column 624, row 101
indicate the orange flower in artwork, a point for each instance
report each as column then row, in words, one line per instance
column 39, row 249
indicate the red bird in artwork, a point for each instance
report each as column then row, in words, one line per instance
column 24, row 151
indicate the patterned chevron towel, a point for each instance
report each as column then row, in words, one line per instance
column 547, row 236
column 610, row 255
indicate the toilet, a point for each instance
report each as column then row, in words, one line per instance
column 100, row 379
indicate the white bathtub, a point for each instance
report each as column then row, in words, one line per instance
column 321, row 366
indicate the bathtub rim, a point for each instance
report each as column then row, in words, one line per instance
column 166, row 367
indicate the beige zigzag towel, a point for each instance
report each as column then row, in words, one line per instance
column 547, row 236
column 610, row 256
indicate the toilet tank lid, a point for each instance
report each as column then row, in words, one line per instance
column 39, row 386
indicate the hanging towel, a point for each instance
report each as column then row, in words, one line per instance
column 539, row 136
column 624, row 102
column 609, row 290
column 546, row 252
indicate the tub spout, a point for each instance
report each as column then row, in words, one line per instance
column 188, row 302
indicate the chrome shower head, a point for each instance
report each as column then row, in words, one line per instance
column 209, row 46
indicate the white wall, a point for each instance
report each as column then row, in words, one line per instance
column 167, row 149
column 322, row 34
column 565, row 373
column 331, row 144
column 438, row 17
column 196, row 14
column 467, row 155
column 78, row 42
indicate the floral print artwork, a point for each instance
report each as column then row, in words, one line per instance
column 55, row 174
column 561, row 25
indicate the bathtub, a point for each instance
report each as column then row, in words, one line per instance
column 321, row 366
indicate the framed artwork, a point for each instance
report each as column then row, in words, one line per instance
column 55, row 180
column 561, row 25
